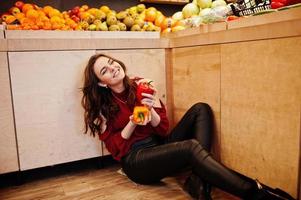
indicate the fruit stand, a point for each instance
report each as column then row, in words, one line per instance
column 248, row 70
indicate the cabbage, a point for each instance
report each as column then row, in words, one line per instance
column 222, row 11
column 189, row 10
column 217, row 3
column 211, row 16
column 194, row 21
column 204, row 11
column 204, row 3
column 178, row 16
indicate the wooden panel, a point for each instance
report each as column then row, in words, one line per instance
column 147, row 63
column 169, row 86
column 48, row 112
column 84, row 44
column 260, row 110
column 44, row 34
column 196, row 78
column 8, row 148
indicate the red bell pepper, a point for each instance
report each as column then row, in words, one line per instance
column 144, row 87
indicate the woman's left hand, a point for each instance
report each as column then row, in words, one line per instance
column 148, row 100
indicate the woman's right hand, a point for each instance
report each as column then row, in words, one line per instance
column 142, row 123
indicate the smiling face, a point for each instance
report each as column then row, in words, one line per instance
column 109, row 72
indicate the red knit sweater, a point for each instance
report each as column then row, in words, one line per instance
column 119, row 146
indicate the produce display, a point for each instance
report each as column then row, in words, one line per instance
column 28, row 16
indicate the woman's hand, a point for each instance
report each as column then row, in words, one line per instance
column 149, row 100
column 146, row 120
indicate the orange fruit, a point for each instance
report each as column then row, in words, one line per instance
column 26, row 27
column 54, row 12
column 47, row 9
column 27, row 7
column 35, row 27
column 85, row 7
column 84, row 15
column 55, row 19
column 47, row 26
column 13, row 27
column 41, row 13
column 32, row 14
column 56, row 26
column 159, row 20
column 167, row 30
column 105, row 9
column 19, row 16
column 10, row 19
column 168, row 23
column 150, row 15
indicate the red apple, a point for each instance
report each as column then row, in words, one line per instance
column 4, row 16
column 75, row 10
column 19, row 4
column 75, row 18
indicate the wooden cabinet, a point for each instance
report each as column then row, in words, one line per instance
column 260, row 110
column 254, row 89
column 47, row 104
column 48, row 113
column 8, row 149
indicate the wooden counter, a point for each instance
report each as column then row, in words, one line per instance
column 82, row 40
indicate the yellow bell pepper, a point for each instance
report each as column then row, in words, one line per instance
column 140, row 113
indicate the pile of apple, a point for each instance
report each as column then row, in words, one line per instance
column 135, row 18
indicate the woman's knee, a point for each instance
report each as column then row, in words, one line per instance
column 191, row 145
column 202, row 108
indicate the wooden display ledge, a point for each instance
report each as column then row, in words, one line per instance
column 44, row 34
column 84, row 44
column 81, row 40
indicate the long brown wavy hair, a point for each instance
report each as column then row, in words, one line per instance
column 97, row 99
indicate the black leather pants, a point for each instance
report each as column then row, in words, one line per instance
column 187, row 146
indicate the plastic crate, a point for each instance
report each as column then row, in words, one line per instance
column 250, row 7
